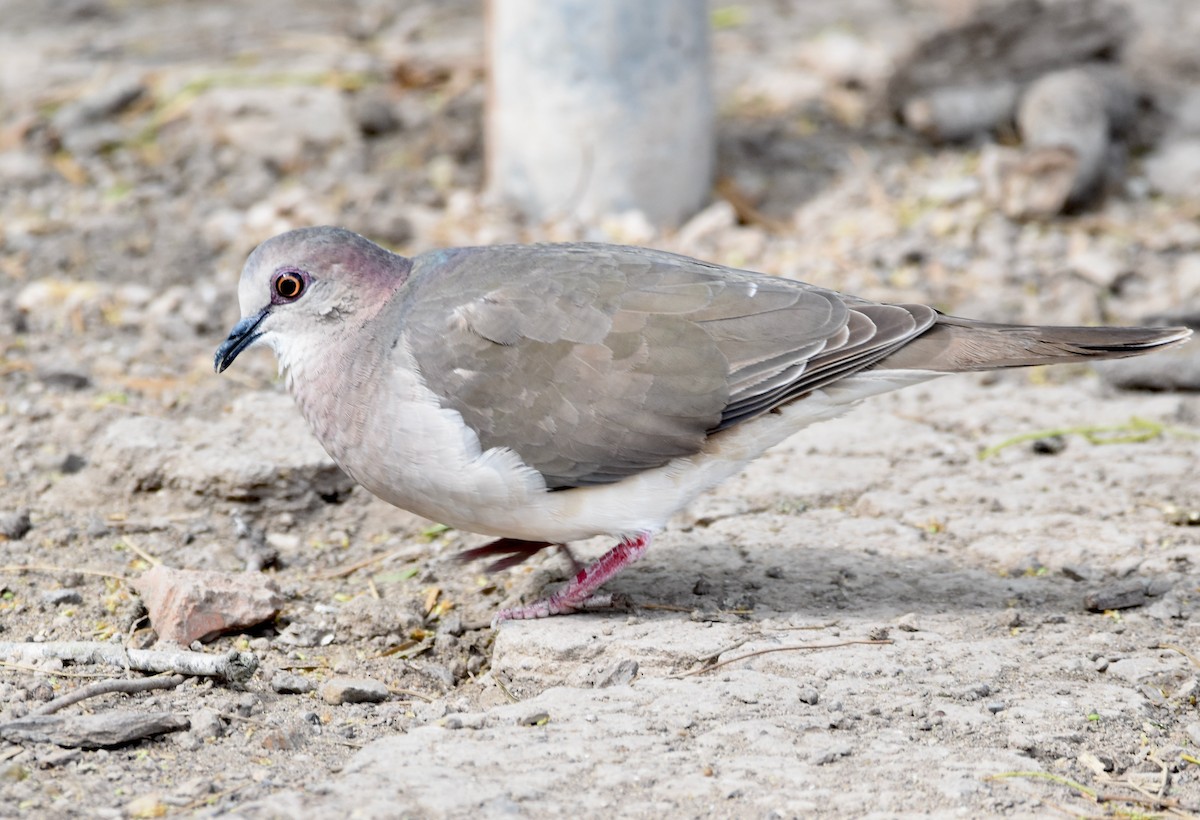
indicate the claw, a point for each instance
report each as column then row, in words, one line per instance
column 580, row 591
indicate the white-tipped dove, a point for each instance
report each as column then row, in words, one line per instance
column 549, row 393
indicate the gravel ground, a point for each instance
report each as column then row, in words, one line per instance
column 871, row 621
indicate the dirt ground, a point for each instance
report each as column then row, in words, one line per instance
column 1009, row 635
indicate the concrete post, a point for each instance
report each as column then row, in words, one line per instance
column 600, row 106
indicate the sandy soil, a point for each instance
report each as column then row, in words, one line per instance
column 871, row 621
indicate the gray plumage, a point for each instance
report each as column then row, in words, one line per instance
column 595, row 362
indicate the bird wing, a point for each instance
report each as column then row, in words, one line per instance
column 596, row 362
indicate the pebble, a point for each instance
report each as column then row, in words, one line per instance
column 289, row 683
column 996, row 706
column 620, row 675
column 809, row 695
column 831, row 754
column 1193, row 732
column 65, row 378
column 534, row 719
column 908, row 623
column 1174, row 168
column 14, row 525
column 72, row 463
column 247, row 704
column 207, row 723
column 1049, row 446
column 59, row 597
column 1119, row 595
column 338, row 691
column 112, row 98
column 975, row 691
column 374, row 114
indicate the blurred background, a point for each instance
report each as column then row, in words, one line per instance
column 146, row 147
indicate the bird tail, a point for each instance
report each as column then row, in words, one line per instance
column 953, row 345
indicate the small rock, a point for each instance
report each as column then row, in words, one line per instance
column 1049, row 446
column 247, row 704
column 374, row 113
column 190, row 605
column 59, row 757
column 72, row 464
column 59, row 597
column 1135, row 670
column 110, row 99
column 194, row 788
column 831, row 754
column 956, row 113
column 148, row 805
column 14, row 525
column 975, row 691
column 1159, row 585
column 1120, row 595
column 1022, row 742
column 534, row 719
column 207, row 723
column 1174, row 168
column 300, row 633
column 1077, row 573
column 1097, row 764
column 620, row 675
column 289, row 683
column 996, row 707
column 908, row 623
column 472, row 720
column 1193, row 732
column 431, row 712
column 65, row 378
column 283, row 542
column 337, row 691
column 1070, row 110
column 1167, row 608
column 116, row 727
column 809, row 695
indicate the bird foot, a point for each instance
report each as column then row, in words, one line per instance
column 580, row 591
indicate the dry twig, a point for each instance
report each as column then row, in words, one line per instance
column 233, row 666
column 773, row 649
column 104, row 687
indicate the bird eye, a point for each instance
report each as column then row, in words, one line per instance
column 288, row 285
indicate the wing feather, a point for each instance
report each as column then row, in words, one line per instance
column 596, row 362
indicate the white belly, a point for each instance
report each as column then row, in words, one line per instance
column 422, row 457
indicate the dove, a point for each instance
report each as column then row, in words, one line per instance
column 544, row 394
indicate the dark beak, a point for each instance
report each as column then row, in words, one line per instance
column 241, row 337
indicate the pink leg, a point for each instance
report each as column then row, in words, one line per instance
column 580, row 591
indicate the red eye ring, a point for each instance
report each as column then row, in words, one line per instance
column 288, row 286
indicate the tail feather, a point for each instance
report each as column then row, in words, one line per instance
column 954, row 345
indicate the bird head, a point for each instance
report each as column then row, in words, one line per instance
column 305, row 282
